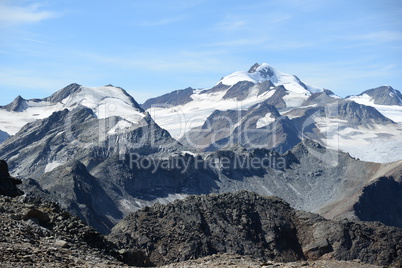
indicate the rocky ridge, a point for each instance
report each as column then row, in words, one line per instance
column 384, row 95
column 245, row 223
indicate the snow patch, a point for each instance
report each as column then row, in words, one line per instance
column 52, row 165
column 188, row 152
column 265, row 121
column 121, row 127
column 294, row 99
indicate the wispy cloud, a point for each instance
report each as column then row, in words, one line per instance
column 232, row 24
column 13, row 14
column 164, row 21
column 34, row 41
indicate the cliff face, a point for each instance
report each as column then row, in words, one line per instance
column 248, row 224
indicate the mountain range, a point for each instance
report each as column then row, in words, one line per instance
column 236, row 111
column 101, row 155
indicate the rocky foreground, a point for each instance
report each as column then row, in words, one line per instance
column 240, row 229
column 237, row 261
column 33, row 232
column 36, row 233
column 247, row 224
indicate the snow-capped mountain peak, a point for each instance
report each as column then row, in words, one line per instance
column 259, row 73
column 104, row 101
column 384, row 95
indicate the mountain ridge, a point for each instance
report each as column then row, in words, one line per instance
column 383, row 95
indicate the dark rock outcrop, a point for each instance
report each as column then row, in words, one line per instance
column 177, row 97
column 239, row 91
column 248, row 224
column 374, row 205
column 64, row 93
column 8, row 184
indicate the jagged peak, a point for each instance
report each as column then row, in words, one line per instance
column 253, row 68
column 64, row 93
column 17, row 105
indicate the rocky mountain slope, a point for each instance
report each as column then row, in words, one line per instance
column 248, row 224
column 385, row 99
column 260, row 126
column 37, row 232
column 81, row 137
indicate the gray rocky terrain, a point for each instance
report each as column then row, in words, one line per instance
column 38, row 233
column 224, row 260
column 241, row 127
column 245, row 223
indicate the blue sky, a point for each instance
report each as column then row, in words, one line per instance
column 153, row 47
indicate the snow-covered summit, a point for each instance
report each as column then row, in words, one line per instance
column 106, row 101
column 182, row 110
column 384, row 95
column 260, row 73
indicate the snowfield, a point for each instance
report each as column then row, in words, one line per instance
column 393, row 112
column 381, row 144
